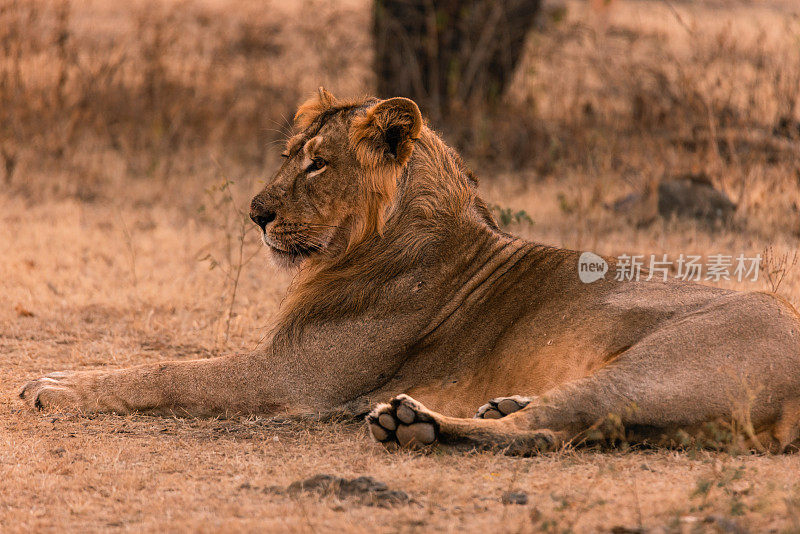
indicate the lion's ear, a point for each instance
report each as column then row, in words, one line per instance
column 326, row 97
column 386, row 134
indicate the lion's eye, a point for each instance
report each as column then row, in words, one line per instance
column 316, row 164
column 284, row 155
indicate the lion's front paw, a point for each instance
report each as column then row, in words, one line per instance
column 56, row 391
column 502, row 406
column 403, row 421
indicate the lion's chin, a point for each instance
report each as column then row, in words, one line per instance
column 286, row 260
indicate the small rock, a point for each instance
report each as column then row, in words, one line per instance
column 367, row 490
column 627, row 530
column 726, row 525
column 626, row 203
column 315, row 483
column 693, row 196
column 787, row 127
column 514, row 497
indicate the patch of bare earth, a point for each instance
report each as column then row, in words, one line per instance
column 64, row 306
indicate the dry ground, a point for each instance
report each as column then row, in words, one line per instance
column 71, row 300
column 119, row 263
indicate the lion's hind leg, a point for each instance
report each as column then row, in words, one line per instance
column 502, row 406
column 407, row 423
column 786, row 431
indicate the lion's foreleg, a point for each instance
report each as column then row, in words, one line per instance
column 217, row 386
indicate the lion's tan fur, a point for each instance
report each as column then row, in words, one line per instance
column 406, row 285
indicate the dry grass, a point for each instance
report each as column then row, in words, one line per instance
column 106, row 254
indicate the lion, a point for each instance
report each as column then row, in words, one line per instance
column 406, row 289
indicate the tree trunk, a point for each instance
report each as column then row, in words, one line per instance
column 448, row 53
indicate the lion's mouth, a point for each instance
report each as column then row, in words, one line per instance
column 287, row 253
column 296, row 252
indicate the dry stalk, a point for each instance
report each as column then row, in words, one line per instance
column 777, row 266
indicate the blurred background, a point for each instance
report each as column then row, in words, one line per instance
column 132, row 134
column 110, row 91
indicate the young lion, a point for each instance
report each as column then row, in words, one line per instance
column 407, row 286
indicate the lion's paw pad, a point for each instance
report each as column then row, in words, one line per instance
column 502, row 406
column 403, row 421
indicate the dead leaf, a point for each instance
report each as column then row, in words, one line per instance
column 22, row 311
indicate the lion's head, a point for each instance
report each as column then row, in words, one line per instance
column 338, row 178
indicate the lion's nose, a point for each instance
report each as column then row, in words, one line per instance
column 263, row 219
